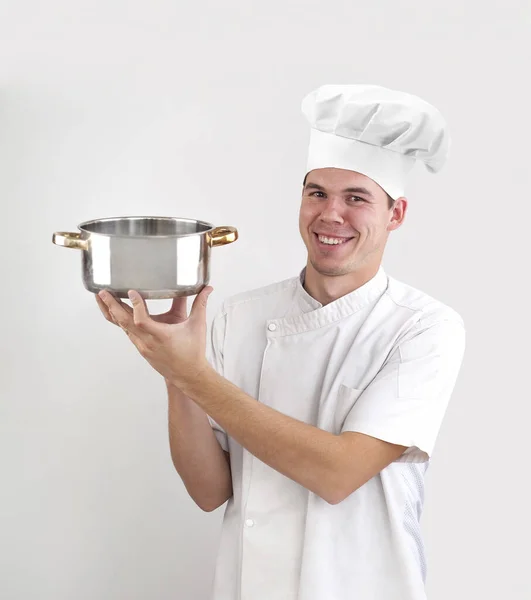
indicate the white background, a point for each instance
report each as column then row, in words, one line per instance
column 193, row 110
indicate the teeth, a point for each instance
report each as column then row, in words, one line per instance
column 331, row 241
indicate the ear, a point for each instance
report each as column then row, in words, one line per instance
column 398, row 213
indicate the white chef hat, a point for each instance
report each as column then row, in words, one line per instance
column 374, row 131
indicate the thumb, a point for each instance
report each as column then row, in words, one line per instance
column 200, row 303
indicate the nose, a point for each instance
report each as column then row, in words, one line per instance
column 331, row 212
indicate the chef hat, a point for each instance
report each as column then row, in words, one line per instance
column 374, row 131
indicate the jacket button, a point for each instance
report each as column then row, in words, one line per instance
column 249, row 522
column 272, row 327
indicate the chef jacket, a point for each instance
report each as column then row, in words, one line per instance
column 381, row 360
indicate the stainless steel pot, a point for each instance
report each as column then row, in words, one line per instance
column 160, row 257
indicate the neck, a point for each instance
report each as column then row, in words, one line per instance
column 327, row 288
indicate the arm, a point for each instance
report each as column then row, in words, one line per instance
column 402, row 409
column 332, row 466
column 197, row 455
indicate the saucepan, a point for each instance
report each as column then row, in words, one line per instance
column 159, row 257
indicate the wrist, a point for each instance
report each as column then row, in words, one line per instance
column 191, row 378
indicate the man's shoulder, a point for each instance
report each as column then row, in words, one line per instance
column 423, row 305
column 265, row 295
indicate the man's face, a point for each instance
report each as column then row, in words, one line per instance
column 345, row 220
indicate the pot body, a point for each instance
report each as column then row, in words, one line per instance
column 159, row 257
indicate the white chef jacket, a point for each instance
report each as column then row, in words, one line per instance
column 381, row 360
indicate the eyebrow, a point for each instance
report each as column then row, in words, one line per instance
column 351, row 190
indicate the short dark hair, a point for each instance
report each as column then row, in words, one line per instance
column 390, row 201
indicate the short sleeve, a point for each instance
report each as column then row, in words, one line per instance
column 405, row 403
column 214, row 355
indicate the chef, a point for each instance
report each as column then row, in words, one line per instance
column 326, row 391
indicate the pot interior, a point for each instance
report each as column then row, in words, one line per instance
column 145, row 226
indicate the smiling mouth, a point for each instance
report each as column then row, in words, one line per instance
column 331, row 242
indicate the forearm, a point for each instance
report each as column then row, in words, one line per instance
column 196, row 453
column 305, row 454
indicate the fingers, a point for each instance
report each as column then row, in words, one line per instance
column 105, row 310
column 200, row 303
column 141, row 316
column 179, row 308
column 120, row 314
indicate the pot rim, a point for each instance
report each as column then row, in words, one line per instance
column 209, row 226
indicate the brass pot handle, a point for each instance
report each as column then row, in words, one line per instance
column 220, row 236
column 69, row 240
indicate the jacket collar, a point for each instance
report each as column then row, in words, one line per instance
column 314, row 315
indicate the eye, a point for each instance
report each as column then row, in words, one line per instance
column 350, row 199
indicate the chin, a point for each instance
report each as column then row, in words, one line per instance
column 332, row 270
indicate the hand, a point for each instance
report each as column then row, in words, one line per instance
column 176, row 314
column 173, row 344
